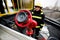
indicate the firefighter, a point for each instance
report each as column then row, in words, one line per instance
column 38, row 16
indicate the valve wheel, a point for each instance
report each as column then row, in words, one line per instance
column 23, row 18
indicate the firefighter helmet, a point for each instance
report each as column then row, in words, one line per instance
column 38, row 5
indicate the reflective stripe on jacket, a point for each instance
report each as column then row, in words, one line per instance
column 39, row 17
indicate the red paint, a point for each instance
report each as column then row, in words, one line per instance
column 30, row 23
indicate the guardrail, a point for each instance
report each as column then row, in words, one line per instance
column 52, row 21
column 9, row 34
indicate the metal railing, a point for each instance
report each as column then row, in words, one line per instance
column 9, row 34
column 52, row 21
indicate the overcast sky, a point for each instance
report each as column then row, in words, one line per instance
column 49, row 3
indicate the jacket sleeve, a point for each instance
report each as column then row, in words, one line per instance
column 43, row 16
